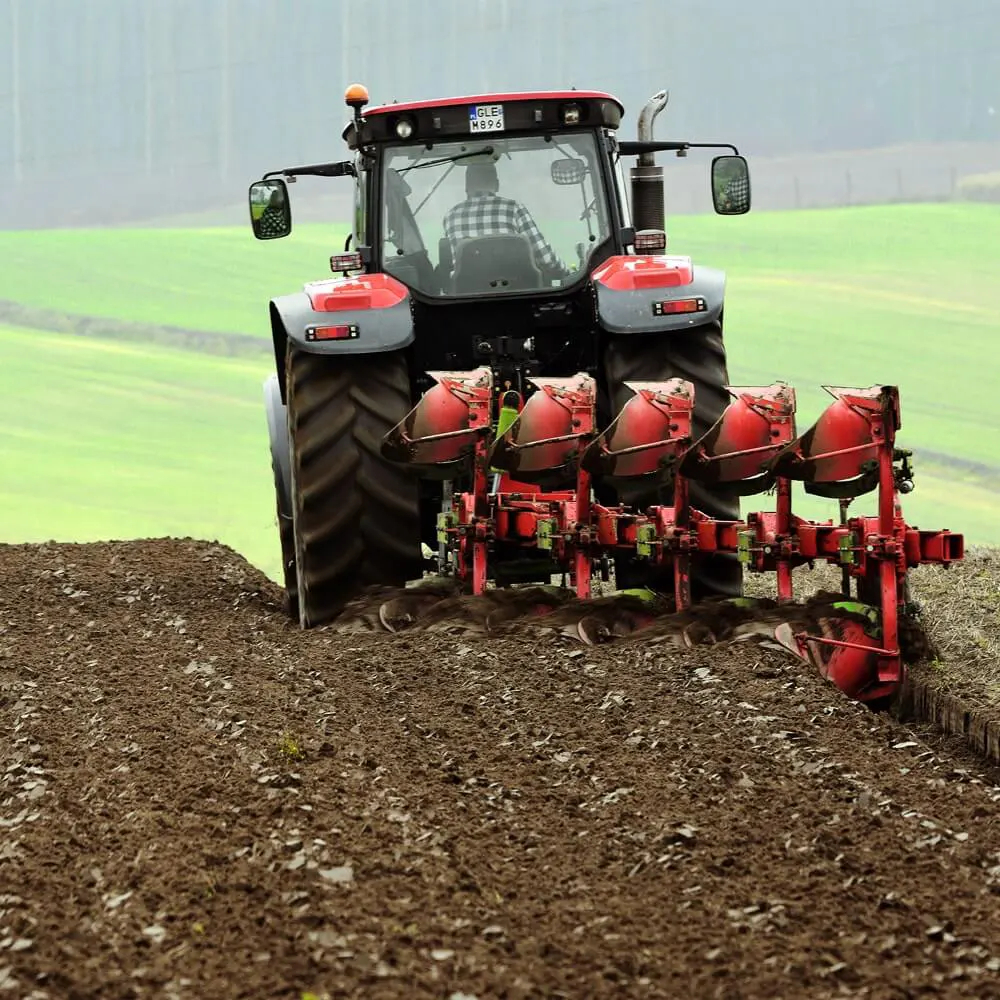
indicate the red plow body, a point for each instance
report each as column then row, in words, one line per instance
column 532, row 466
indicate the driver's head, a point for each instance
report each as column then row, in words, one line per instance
column 481, row 178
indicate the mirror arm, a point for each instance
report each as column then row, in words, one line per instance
column 714, row 145
column 635, row 148
column 316, row 170
column 630, row 147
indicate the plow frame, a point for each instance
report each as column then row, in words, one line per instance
column 751, row 449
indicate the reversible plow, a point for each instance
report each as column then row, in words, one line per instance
column 532, row 466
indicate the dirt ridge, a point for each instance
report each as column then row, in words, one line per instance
column 924, row 700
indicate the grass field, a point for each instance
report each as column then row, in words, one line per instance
column 901, row 294
column 111, row 440
column 124, row 440
column 201, row 279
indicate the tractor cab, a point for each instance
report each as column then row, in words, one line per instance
column 499, row 195
column 488, row 216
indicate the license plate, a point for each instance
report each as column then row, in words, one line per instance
column 486, row 118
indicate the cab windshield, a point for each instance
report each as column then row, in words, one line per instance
column 493, row 214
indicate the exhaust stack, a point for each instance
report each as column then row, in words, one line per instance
column 646, row 177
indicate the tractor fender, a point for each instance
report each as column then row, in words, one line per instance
column 277, row 433
column 632, row 294
column 367, row 314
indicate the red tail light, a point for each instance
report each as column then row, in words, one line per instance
column 344, row 332
column 672, row 306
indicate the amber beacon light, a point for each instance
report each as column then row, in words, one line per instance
column 356, row 96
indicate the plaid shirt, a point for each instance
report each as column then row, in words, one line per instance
column 490, row 215
column 271, row 222
column 737, row 191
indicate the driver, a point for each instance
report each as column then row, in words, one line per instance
column 271, row 215
column 735, row 193
column 486, row 213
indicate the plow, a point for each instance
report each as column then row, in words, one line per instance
column 468, row 432
column 849, row 452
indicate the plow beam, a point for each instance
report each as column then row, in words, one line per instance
column 649, row 435
column 438, row 436
column 838, row 457
column 543, row 443
column 736, row 451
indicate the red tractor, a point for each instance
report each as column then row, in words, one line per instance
column 439, row 405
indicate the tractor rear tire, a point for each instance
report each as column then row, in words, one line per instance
column 356, row 515
column 699, row 356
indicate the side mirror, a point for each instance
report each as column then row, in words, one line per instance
column 731, row 185
column 270, row 209
column 568, row 171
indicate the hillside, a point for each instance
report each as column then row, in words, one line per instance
column 168, row 442
column 120, row 440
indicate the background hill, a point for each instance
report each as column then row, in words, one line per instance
column 120, row 433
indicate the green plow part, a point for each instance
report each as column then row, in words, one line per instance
column 857, row 608
column 643, row 593
column 505, row 420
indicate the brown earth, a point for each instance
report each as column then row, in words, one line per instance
column 199, row 800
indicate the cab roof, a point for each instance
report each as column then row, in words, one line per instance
column 508, row 113
column 507, row 98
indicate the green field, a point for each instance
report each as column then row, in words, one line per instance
column 112, row 440
column 201, row 279
column 109, row 440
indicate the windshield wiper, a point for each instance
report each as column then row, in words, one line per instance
column 485, row 151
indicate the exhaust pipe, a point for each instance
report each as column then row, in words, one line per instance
column 646, row 177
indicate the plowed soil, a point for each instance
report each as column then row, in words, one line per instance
column 199, row 800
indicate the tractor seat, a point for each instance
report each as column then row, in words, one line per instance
column 495, row 264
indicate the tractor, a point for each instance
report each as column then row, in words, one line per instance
column 510, row 379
